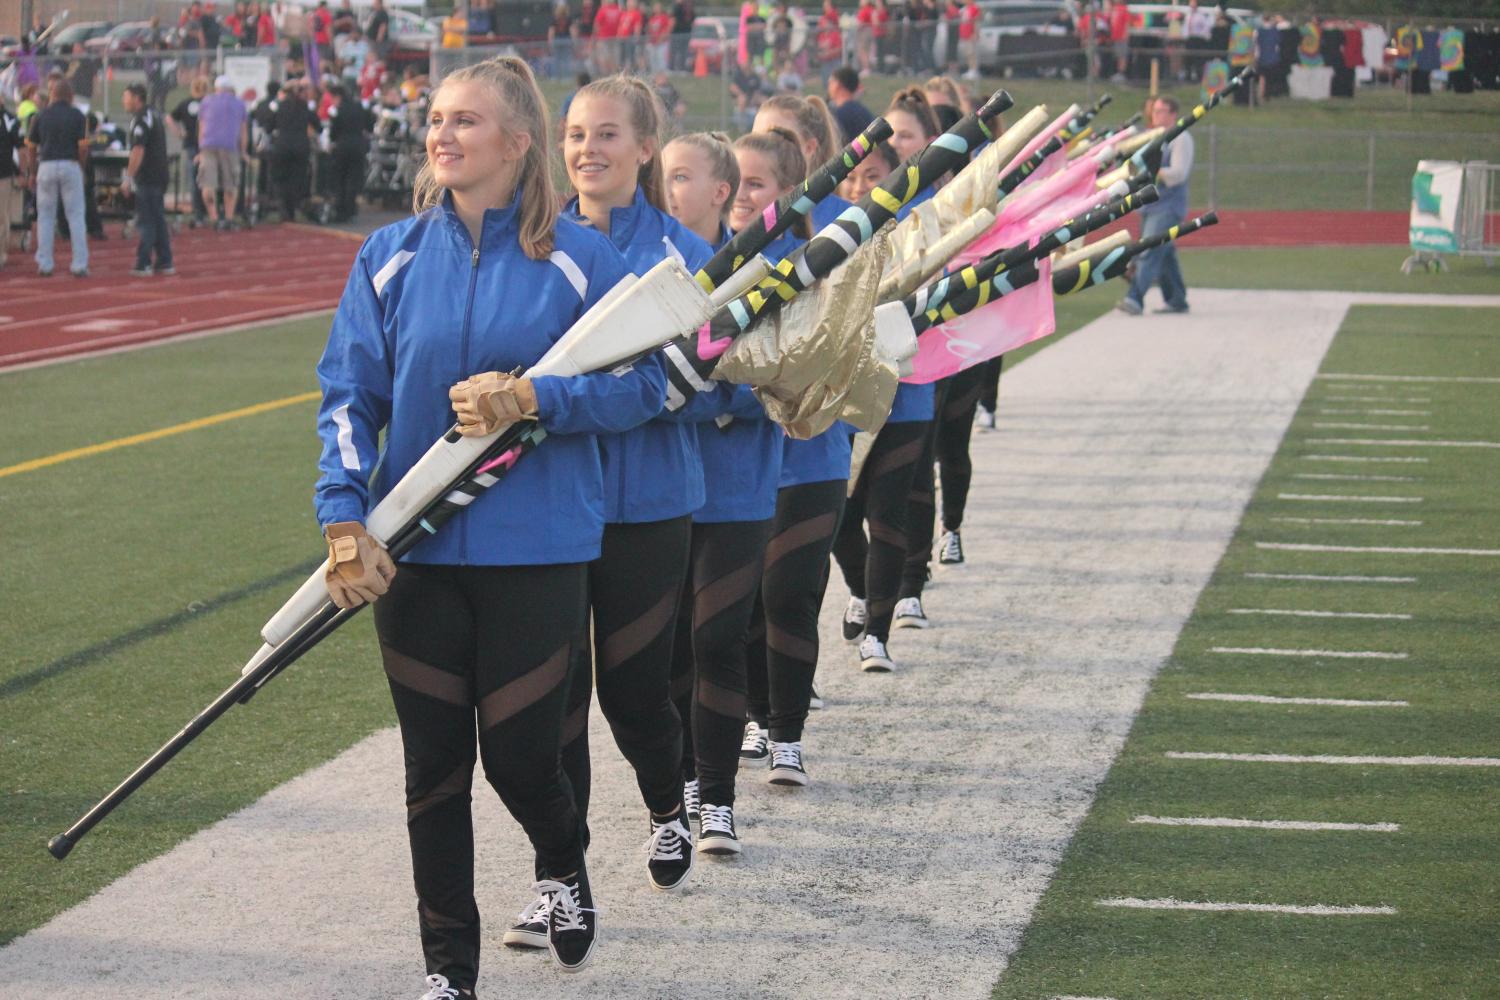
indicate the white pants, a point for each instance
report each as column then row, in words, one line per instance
column 10, row 199
column 61, row 180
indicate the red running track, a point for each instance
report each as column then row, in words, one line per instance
column 223, row 280
column 1296, row 229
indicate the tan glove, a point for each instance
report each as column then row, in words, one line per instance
column 487, row 402
column 359, row 569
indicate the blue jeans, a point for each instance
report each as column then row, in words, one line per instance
column 1159, row 265
column 60, row 181
column 151, row 220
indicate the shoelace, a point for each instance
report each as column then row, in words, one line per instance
column 718, row 819
column 856, row 613
column 562, row 905
column 667, row 840
column 871, row 646
column 953, row 549
column 786, row 755
column 536, row 910
column 438, row 989
column 690, row 796
column 755, row 737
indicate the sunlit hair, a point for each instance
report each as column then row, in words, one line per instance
column 814, row 121
column 716, row 148
column 784, row 152
column 948, row 87
column 523, row 109
column 646, row 117
column 914, row 102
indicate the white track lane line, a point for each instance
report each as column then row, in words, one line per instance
column 1263, row 824
column 1401, row 550
column 1269, row 699
column 1329, row 654
column 1364, row 458
column 1349, row 377
column 1313, row 910
column 1328, row 578
column 1320, row 614
column 1346, row 497
column 1334, row 425
column 1348, row 520
column 1289, row 758
column 1404, row 443
column 1354, row 477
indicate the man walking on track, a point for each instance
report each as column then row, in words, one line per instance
column 221, row 149
column 1160, row 263
column 146, row 172
column 59, row 141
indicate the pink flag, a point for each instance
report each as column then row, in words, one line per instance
column 1038, row 140
column 989, row 331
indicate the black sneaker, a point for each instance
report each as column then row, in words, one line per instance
column 816, row 701
column 690, row 802
column 873, row 658
column 909, row 614
column 572, row 920
column 141, row 272
column 438, row 989
column 855, row 617
column 669, row 854
column 530, row 928
column 167, row 272
column 718, row 836
column 753, row 750
column 950, row 549
column 786, row 764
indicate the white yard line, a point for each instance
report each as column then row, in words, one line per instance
column 1267, row 699
column 1311, row 910
column 1402, row 550
column 1349, row 520
column 1334, row 425
column 1286, row 758
column 1264, row 824
column 308, row 891
column 1322, row 578
column 1462, row 379
column 1328, row 654
column 1365, row 458
column 1346, row 498
column 1356, row 478
column 1320, row 614
column 1376, row 413
column 1405, row 443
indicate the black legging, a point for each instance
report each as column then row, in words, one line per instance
column 784, row 639
column 634, row 589
column 872, row 570
column 708, row 666
column 492, row 643
column 990, row 397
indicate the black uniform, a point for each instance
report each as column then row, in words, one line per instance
column 291, row 153
column 349, row 127
column 150, row 181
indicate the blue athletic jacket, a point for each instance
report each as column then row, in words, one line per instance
column 653, row 471
column 816, row 460
column 424, row 308
column 827, row 210
column 741, row 461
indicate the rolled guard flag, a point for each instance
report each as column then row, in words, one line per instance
column 1148, row 157
column 1087, row 273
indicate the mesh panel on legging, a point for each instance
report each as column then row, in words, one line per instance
column 634, row 589
column 921, row 506
column 484, row 647
column 872, row 569
column 712, row 626
column 955, row 427
column 783, row 654
column 989, row 397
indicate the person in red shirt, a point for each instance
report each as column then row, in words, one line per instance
column 968, row 38
column 322, row 25
column 882, row 33
column 265, row 29
column 632, row 24
column 606, row 37
column 830, row 40
column 659, row 33
column 864, row 35
column 1119, row 37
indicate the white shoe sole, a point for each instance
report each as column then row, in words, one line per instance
column 588, row 956
column 524, row 939
column 909, row 622
column 681, row 883
column 787, row 777
column 877, row 665
column 721, row 847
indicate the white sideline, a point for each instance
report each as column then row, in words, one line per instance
column 1405, row 443
column 1348, row 520
column 1314, row 910
column 1286, row 758
column 1266, row 699
column 1321, row 578
column 1395, row 616
column 1346, row 497
column 1362, row 458
column 1354, row 477
column 1384, row 549
column 1330, row 654
column 1336, row 425
column 1263, row 824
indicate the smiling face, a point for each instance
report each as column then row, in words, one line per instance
column 468, row 145
column 866, row 176
column 758, row 188
column 601, row 150
column 907, row 136
column 694, row 195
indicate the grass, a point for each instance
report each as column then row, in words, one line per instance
column 1441, row 871
column 1350, row 269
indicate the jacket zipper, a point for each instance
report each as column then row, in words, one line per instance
column 463, row 353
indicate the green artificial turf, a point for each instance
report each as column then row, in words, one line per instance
column 1441, row 870
column 1350, row 269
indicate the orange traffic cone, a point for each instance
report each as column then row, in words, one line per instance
column 700, row 65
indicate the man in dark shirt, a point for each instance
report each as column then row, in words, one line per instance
column 683, row 16
column 843, row 94
column 349, row 126
column 146, row 172
column 59, row 141
column 378, row 29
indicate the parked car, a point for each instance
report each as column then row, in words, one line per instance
column 123, row 41
column 712, row 36
column 1028, row 36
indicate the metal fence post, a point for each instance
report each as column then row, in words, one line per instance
column 1370, row 175
column 1213, row 165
